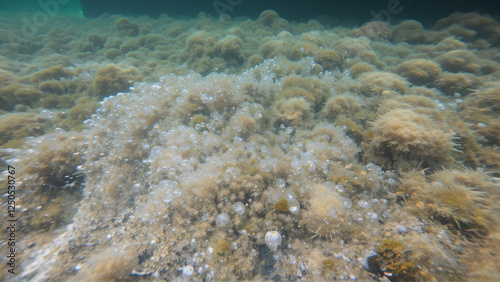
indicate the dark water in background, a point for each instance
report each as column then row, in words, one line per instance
column 347, row 12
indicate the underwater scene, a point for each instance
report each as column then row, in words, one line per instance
column 219, row 146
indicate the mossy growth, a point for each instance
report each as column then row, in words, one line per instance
column 451, row 83
column 6, row 78
column 230, row 50
column 359, row 68
column 223, row 247
column 410, row 31
column 490, row 155
column 373, row 30
column 255, row 60
column 52, row 73
column 393, row 262
column 27, row 95
column 296, row 92
column 112, row 53
column 97, row 41
column 66, row 101
column 491, row 132
column 353, row 129
column 281, row 206
column 244, row 125
column 50, row 101
column 459, row 61
column 52, row 86
column 16, row 143
column 341, row 105
column 301, row 50
column 273, row 48
column 379, row 82
column 197, row 120
column 483, row 107
column 419, row 71
column 267, row 17
column 249, row 227
column 15, row 127
column 7, row 96
column 390, row 249
column 194, row 111
column 329, row 59
column 409, row 138
column 249, row 169
column 456, row 199
column 463, row 200
column 199, row 52
column 456, row 204
column 311, row 89
column 84, row 108
column 405, row 271
column 292, row 112
column 16, row 93
column 126, row 27
column 52, row 215
column 111, row 79
column 328, row 264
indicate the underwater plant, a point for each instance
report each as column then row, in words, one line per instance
column 403, row 134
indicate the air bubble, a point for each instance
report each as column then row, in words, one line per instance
column 59, row 131
column 339, row 188
column 364, row 204
column 372, row 215
column 280, row 182
column 239, row 208
column 222, row 220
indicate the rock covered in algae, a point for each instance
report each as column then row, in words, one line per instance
column 268, row 147
column 405, row 132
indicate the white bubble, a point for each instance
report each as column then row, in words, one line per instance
column 372, row 215
column 290, row 196
column 364, row 204
column 188, row 270
column 273, row 240
column 280, row 182
column 59, row 131
column 339, row 188
column 222, row 220
column 346, row 202
column 239, row 208
column 294, row 206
